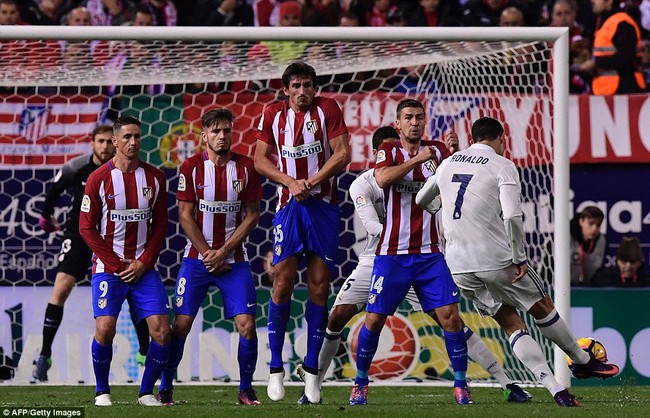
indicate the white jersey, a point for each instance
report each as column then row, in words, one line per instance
column 368, row 200
column 481, row 210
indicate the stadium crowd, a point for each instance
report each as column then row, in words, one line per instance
column 630, row 37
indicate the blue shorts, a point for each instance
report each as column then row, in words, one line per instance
column 237, row 288
column 311, row 225
column 146, row 297
column 393, row 275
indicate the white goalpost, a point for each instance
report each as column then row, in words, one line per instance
column 58, row 83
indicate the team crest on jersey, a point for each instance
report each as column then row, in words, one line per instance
column 178, row 301
column 431, row 166
column 312, row 126
column 85, row 204
column 360, row 201
column 147, row 192
column 371, row 299
column 381, row 156
column 237, row 185
column 182, row 183
column 102, row 302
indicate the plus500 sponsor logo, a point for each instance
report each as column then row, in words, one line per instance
column 130, row 215
column 301, row 151
column 219, row 206
column 408, row 186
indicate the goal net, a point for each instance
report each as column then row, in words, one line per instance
column 57, row 84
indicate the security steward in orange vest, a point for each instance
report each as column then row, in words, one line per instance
column 617, row 52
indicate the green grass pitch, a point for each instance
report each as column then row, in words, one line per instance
column 397, row 402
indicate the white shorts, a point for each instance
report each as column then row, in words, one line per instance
column 491, row 289
column 355, row 288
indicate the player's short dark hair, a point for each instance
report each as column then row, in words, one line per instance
column 408, row 103
column 486, row 129
column 382, row 134
column 213, row 117
column 14, row 2
column 123, row 121
column 100, row 129
column 592, row 212
column 298, row 69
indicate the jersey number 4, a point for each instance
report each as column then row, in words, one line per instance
column 464, row 180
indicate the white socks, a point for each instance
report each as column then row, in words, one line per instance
column 327, row 352
column 528, row 351
column 480, row 353
column 555, row 329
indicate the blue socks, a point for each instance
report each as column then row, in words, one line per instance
column 247, row 358
column 366, row 349
column 157, row 358
column 457, row 351
column 175, row 355
column 102, row 356
column 277, row 327
column 316, row 317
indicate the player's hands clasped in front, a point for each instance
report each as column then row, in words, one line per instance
column 134, row 270
column 215, row 261
column 520, row 272
column 300, row 189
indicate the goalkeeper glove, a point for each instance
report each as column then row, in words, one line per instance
column 48, row 224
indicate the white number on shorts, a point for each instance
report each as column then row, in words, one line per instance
column 278, row 236
column 66, row 245
column 348, row 284
column 103, row 286
column 377, row 283
column 180, row 286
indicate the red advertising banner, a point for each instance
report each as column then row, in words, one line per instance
column 46, row 131
column 612, row 129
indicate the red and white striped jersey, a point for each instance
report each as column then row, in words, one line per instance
column 220, row 194
column 408, row 228
column 124, row 216
column 302, row 142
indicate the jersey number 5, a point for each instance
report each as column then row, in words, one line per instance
column 463, row 179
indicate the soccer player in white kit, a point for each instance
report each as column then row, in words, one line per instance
column 368, row 201
column 485, row 250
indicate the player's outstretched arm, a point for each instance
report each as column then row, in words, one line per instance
column 338, row 161
column 426, row 197
column 360, row 193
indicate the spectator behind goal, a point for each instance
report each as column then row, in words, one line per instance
column 587, row 248
column 629, row 269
